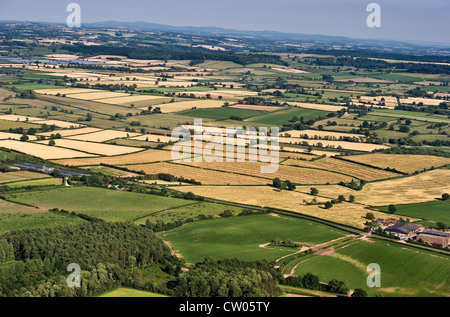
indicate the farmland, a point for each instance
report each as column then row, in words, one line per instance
column 241, row 237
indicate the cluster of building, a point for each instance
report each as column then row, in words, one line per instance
column 408, row 230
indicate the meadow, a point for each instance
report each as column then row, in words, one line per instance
column 436, row 211
column 281, row 117
column 241, row 237
column 404, row 271
column 101, row 203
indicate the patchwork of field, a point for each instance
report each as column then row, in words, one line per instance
column 295, row 174
column 319, row 134
column 147, row 156
column 155, row 138
column 265, row 196
column 356, row 146
column 425, row 101
column 318, row 152
column 205, row 176
column 407, row 190
column 95, row 148
column 344, row 167
column 70, row 132
column 137, row 100
column 98, row 202
column 43, row 151
column 102, row 136
column 402, row 163
column 188, row 105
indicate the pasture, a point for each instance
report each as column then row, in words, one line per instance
column 404, row 271
column 436, row 211
column 242, row 237
column 110, row 205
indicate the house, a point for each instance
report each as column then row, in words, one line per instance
column 435, row 237
column 403, row 230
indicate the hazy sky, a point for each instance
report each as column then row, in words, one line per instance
column 408, row 20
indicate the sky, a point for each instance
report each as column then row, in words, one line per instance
column 404, row 20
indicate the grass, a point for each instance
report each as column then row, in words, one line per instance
column 404, row 271
column 106, row 204
column 189, row 211
column 36, row 182
column 222, row 113
column 129, row 292
column 434, row 211
column 284, row 116
column 17, row 221
column 240, row 237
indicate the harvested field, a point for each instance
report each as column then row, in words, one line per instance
column 320, row 134
column 128, row 100
column 401, row 162
column 12, row 117
column 188, row 105
column 291, row 70
column 317, row 106
column 348, row 168
column 102, row 136
column 60, row 124
column 207, row 177
column 407, row 190
column 356, row 146
column 425, row 101
column 13, row 136
column 264, row 196
column 70, row 132
column 42, row 151
column 294, row 174
column 96, row 94
column 254, row 107
column 155, row 138
column 319, row 153
column 147, row 156
column 95, row 148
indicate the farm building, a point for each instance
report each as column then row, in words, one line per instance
column 403, row 230
column 435, row 237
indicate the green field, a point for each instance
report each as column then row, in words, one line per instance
column 240, row 237
column 18, row 221
column 284, row 116
column 106, row 204
column 437, row 211
column 129, row 292
column 222, row 113
column 189, row 211
column 404, row 271
column 420, row 116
